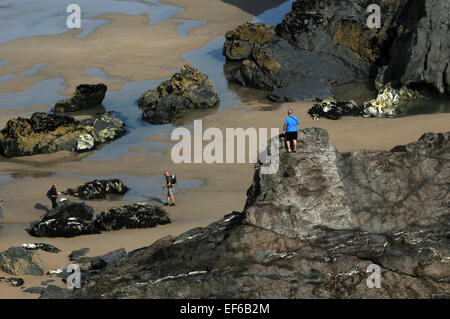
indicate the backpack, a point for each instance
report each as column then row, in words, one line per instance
column 173, row 181
column 49, row 193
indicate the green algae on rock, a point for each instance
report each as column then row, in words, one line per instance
column 86, row 96
column 48, row 133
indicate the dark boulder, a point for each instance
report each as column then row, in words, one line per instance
column 19, row 261
column 99, row 189
column 139, row 215
column 311, row 230
column 272, row 62
column 185, row 91
column 69, row 219
column 86, row 96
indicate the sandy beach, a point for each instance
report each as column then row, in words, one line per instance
column 128, row 50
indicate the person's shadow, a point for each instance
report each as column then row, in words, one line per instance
column 153, row 199
column 42, row 207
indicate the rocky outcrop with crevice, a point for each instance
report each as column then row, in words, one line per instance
column 390, row 101
column 334, row 110
column 328, row 41
column 98, row 189
column 185, row 91
column 310, row 231
column 48, row 133
column 86, row 96
column 257, row 57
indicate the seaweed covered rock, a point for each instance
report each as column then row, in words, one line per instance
column 86, row 96
column 42, row 246
column 15, row 282
column 105, row 127
column 186, row 90
column 42, row 133
column 313, row 229
column 389, row 100
column 69, row 219
column 48, row 133
column 19, row 261
column 139, row 215
column 99, row 189
column 334, row 110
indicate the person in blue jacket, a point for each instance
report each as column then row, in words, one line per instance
column 290, row 132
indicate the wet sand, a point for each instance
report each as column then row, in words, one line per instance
column 156, row 53
column 126, row 48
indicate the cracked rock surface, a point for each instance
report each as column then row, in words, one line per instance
column 310, row 231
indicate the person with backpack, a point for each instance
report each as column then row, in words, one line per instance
column 171, row 180
column 52, row 194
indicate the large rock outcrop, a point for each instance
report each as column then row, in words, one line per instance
column 329, row 42
column 185, row 91
column 258, row 58
column 311, row 231
column 48, row 133
column 86, row 96
column 98, row 189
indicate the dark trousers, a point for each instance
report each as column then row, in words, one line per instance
column 53, row 199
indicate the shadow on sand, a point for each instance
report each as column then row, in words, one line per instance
column 255, row 7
